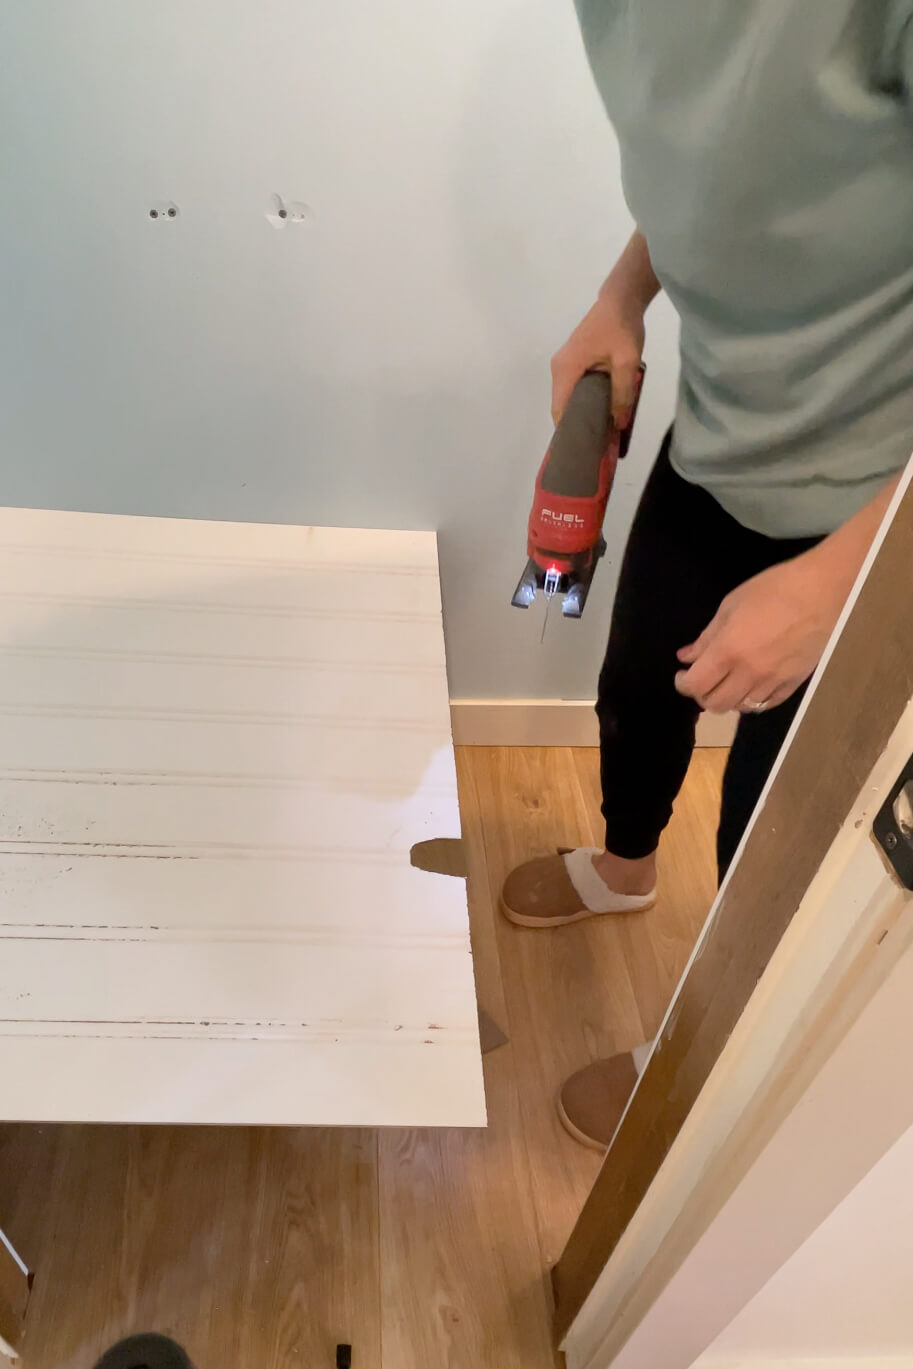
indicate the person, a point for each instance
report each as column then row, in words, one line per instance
column 766, row 155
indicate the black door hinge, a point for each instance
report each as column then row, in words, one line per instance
column 893, row 826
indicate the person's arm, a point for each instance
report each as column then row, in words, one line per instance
column 769, row 635
column 611, row 336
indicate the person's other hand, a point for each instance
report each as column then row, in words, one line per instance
column 609, row 338
column 766, row 638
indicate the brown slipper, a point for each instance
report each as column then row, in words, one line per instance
column 592, row 1102
column 552, row 891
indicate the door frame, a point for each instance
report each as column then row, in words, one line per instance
column 784, row 964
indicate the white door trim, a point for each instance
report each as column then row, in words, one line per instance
column 795, row 1058
column 718, row 1202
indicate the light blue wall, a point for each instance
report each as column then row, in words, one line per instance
column 385, row 364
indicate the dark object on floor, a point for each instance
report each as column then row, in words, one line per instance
column 343, row 1357
column 490, row 1034
column 145, row 1352
column 440, row 856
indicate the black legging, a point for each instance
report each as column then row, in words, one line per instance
column 684, row 555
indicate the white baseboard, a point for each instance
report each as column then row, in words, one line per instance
column 552, row 722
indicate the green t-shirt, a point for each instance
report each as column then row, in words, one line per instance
column 767, row 157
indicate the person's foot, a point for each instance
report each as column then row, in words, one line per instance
column 552, row 891
column 592, row 1102
column 145, row 1352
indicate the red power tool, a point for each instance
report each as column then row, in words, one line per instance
column 565, row 540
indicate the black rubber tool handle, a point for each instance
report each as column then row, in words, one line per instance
column 580, row 440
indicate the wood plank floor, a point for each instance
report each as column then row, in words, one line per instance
column 263, row 1248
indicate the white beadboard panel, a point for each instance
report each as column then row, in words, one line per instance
column 362, row 753
column 191, row 632
column 435, row 1083
column 232, row 545
column 218, row 744
column 245, row 989
column 307, row 589
column 246, row 817
column 303, row 897
column 397, row 696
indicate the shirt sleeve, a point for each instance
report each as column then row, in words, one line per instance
column 897, row 59
column 906, row 58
